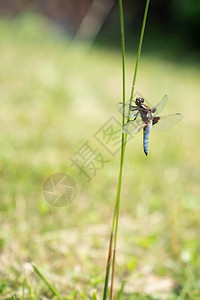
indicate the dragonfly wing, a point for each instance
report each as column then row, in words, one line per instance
column 158, row 108
column 126, row 108
column 166, row 122
column 135, row 114
column 133, row 127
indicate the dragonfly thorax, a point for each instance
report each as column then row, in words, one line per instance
column 146, row 115
column 144, row 110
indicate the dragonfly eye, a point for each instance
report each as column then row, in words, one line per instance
column 139, row 101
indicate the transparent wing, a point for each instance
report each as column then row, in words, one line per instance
column 148, row 103
column 133, row 126
column 166, row 122
column 158, row 108
column 135, row 113
column 120, row 108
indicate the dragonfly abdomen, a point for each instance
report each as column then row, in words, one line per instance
column 146, row 134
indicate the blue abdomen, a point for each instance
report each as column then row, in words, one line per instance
column 146, row 138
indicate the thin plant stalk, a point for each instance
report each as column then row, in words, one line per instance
column 121, row 160
column 123, row 146
column 108, row 267
column 139, row 51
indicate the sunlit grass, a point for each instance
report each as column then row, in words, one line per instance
column 52, row 101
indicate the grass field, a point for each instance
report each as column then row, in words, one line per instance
column 54, row 98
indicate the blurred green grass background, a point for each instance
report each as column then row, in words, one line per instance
column 54, row 97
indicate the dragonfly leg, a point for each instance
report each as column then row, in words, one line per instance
column 136, row 116
column 132, row 107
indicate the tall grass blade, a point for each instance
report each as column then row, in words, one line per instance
column 139, row 51
column 124, row 136
column 122, row 152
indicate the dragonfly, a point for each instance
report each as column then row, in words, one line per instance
column 143, row 116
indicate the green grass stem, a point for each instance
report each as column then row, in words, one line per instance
column 139, row 51
column 123, row 143
column 108, row 267
column 122, row 155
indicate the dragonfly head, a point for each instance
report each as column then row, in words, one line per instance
column 139, row 101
